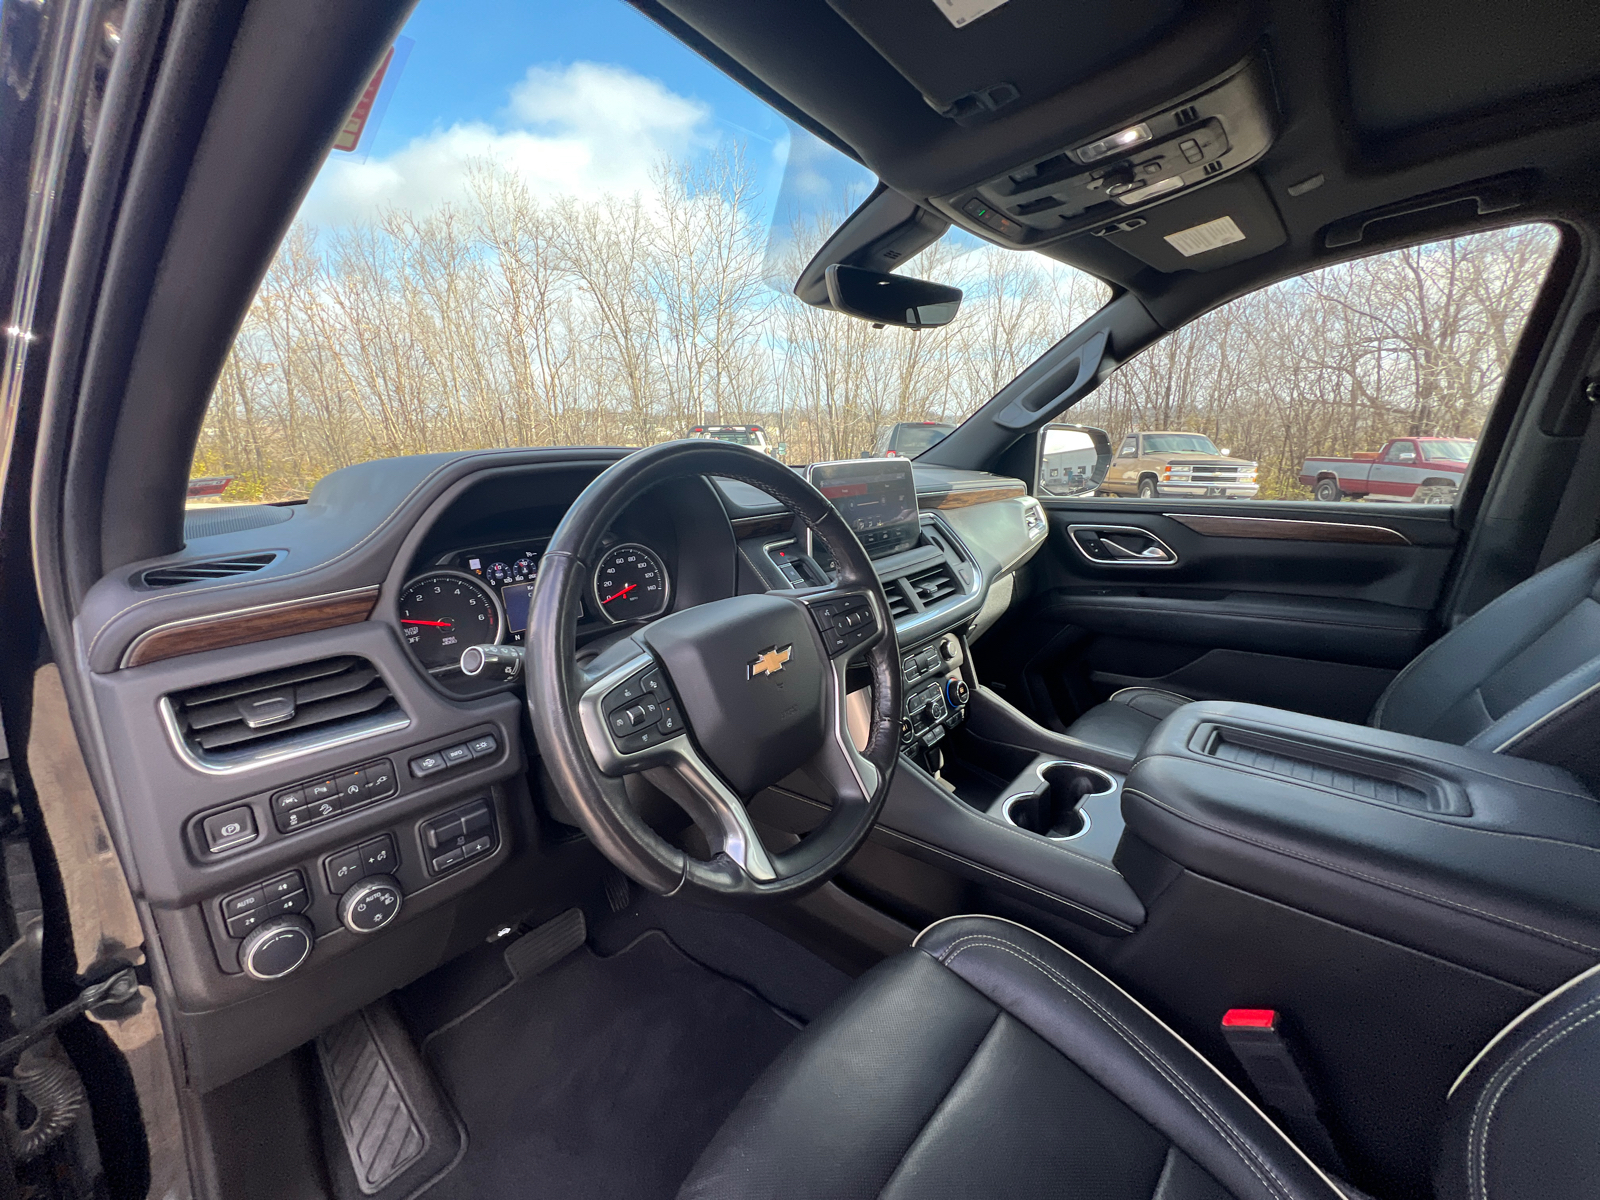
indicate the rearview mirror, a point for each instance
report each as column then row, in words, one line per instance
column 1073, row 460
column 886, row 299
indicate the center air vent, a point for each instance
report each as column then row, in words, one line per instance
column 279, row 714
column 921, row 589
column 216, row 568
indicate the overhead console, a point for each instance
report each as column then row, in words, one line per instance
column 1098, row 183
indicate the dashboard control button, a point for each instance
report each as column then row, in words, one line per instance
column 428, row 764
column 345, row 869
column 274, row 949
column 442, row 833
column 371, row 904
column 652, row 681
column 294, row 902
column 321, row 810
column 244, row 902
column 294, row 819
column 454, row 756
column 225, row 830
column 956, row 692
column 287, row 801
column 625, row 693
column 484, row 746
column 448, row 859
column 352, row 787
column 242, row 924
column 321, row 789
column 620, row 721
column 475, row 848
column 476, row 821
column 380, row 780
column 377, row 856
column 636, row 716
column 282, row 885
column 642, row 740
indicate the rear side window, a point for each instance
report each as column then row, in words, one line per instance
column 1366, row 381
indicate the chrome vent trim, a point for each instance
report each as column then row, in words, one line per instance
column 272, row 716
column 177, row 574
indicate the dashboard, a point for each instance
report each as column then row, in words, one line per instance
column 314, row 804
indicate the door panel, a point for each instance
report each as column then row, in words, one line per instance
column 1308, row 607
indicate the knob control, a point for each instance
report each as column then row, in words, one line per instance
column 957, row 692
column 371, row 904
column 272, row 950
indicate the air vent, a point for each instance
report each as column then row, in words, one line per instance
column 1187, row 115
column 932, row 584
column 899, row 606
column 216, row 568
column 281, row 713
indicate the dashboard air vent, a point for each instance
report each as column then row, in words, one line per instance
column 932, row 584
column 297, row 708
column 899, row 605
column 216, row 568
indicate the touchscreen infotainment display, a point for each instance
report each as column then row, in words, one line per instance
column 877, row 497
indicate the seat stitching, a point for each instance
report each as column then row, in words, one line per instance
column 1196, row 1099
column 1339, row 868
column 1478, row 1148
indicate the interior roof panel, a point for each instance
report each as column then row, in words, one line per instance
column 1419, row 61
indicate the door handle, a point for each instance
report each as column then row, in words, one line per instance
column 1109, row 546
column 1152, row 552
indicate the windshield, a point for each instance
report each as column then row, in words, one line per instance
column 557, row 225
column 1454, row 450
column 738, row 437
column 1178, row 443
column 908, row 441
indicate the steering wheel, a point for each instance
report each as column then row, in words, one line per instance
column 714, row 703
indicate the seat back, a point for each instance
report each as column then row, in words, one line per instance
column 1520, row 676
column 1522, row 1119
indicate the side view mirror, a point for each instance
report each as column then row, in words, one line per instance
column 886, row 299
column 1073, row 460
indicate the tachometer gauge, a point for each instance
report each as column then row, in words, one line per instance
column 444, row 612
column 631, row 584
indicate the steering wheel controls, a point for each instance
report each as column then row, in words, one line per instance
column 845, row 622
column 641, row 712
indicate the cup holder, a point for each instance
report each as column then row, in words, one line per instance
column 1053, row 809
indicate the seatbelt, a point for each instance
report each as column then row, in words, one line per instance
column 1278, row 1076
column 1577, row 519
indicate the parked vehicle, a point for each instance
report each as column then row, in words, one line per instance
column 209, row 486
column 1426, row 470
column 753, row 436
column 907, row 439
column 1173, row 463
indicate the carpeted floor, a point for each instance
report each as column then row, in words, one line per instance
column 603, row 1076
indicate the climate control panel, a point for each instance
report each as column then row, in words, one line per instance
column 935, row 693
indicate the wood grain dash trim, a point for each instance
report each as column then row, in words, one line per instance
column 1291, row 531
column 966, row 497
column 247, row 625
column 765, row 526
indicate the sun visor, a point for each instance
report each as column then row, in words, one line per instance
column 970, row 58
column 1214, row 227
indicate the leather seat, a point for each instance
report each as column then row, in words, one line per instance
column 1520, row 676
column 987, row 1061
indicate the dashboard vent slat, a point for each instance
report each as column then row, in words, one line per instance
column 933, row 584
column 899, row 606
column 283, row 709
column 217, row 568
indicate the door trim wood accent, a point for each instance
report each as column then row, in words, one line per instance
column 1281, row 529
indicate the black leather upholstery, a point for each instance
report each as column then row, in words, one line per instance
column 1521, row 1119
column 1521, row 676
column 987, row 1061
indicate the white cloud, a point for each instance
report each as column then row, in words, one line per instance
column 583, row 129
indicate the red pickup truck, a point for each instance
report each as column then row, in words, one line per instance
column 1424, row 469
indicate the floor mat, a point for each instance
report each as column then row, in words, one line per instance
column 601, row 1077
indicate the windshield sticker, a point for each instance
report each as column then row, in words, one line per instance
column 1197, row 239
column 964, row 12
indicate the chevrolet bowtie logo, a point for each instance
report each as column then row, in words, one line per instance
column 770, row 662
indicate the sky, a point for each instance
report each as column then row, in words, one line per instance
column 579, row 97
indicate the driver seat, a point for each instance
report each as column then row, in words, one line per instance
column 987, row 1061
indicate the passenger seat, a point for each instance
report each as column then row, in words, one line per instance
column 1520, row 676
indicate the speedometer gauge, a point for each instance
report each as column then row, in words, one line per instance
column 444, row 612
column 630, row 583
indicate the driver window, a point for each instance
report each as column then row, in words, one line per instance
column 1364, row 381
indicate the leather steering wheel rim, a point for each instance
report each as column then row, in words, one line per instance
column 572, row 739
